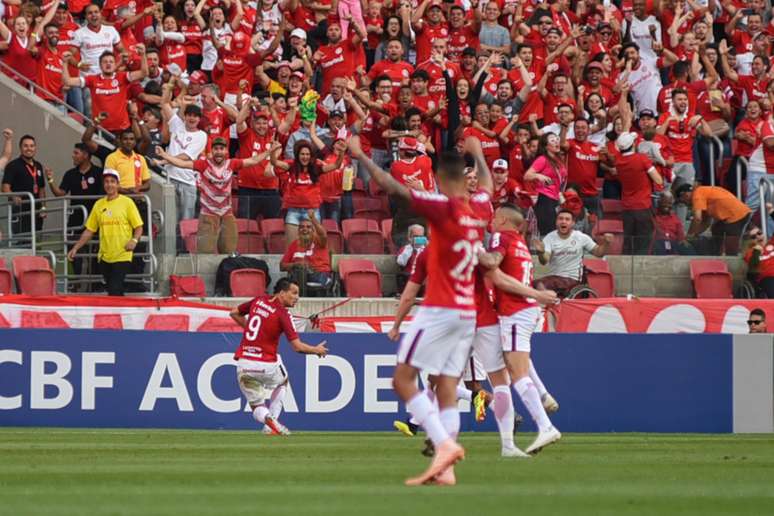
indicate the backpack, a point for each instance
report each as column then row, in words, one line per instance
column 227, row 265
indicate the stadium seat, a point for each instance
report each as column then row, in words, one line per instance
column 34, row 276
column 358, row 189
column 362, row 236
column 335, row 238
column 250, row 239
column 373, row 209
column 273, row 231
column 611, row 226
column 374, row 190
column 247, row 282
column 188, row 230
column 360, row 278
column 711, row 279
column 386, row 226
column 599, row 278
column 612, row 209
column 6, row 280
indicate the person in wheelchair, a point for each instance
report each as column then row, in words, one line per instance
column 562, row 250
column 759, row 256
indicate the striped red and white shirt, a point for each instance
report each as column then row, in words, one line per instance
column 214, row 183
column 762, row 158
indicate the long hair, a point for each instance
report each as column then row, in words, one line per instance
column 543, row 151
column 296, row 168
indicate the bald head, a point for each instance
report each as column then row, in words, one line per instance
column 508, row 217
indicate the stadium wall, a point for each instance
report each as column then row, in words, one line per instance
column 604, row 382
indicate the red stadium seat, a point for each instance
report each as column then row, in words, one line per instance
column 711, row 279
column 599, row 278
column 247, row 282
column 335, row 238
column 611, row 226
column 188, row 230
column 34, row 276
column 6, row 280
column 362, row 236
column 370, row 209
column 358, row 189
column 386, row 226
column 273, row 231
column 360, row 278
column 250, row 239
column 374, row 190
column 612, row 209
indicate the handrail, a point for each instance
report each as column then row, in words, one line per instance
column 740, row 160
column 765, row 185
column 31, row 200
column 714, row 139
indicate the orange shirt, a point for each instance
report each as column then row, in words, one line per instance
column 719, row 203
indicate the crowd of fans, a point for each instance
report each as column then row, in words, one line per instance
column 574, row 101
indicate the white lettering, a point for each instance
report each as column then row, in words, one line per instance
column 373, row 383
column 204, row 384
column 39, row 379
column 342, row 398
column 15, row 357
column 177, row 391
column 90, row 382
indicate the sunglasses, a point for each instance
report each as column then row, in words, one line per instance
column 750, row 322
column 605, row 33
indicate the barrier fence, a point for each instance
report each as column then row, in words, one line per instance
column 643, row 383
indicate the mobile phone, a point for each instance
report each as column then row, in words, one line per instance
column 748, row 12
column 103, row 114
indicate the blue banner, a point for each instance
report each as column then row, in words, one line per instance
column 104, row 378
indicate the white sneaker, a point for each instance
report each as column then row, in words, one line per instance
column 514, row 452
column 543, row 439
column 549, row 403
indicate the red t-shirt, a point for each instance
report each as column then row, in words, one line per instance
column 331, row 182
column 317, row 257
column 237, row 65
column 338, row 60
column 20, row 59
column 486, row 315
column 420, row 168
column 398, row 73
column 755, row 89
column 636, row 186
column 299, row 190
column 517, row 263
column 267, row 319
column 453, row 249
column 459, row 40
column 253, row 177
column 109, row 95
column 582, row 166
column 748, row 126
column 426, row 34
column 193, row 36
column 490, row 146
column 173, row 52
column 681, row 136
column 437, row 84
column 766, row 263
column 419, row 267
column 215, row 123
column 49, row 75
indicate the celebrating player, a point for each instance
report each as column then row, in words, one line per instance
column 259, row 366
column 519, row 315
column 440, row 338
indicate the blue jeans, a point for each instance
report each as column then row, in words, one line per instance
column 186, row 195
column 295, row 215
column 254, row 202
column 753, row 198
column 74, row 98
column 331, row 210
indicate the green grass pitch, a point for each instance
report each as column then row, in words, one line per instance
column 167, row 472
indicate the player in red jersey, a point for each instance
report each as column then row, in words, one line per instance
column 440, row 339
column 519, row 316
column 259, row 366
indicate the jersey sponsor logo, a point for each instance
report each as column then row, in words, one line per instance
column 335, row 60
column 105, row 91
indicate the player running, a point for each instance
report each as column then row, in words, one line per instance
column 259, row 367
column 441, row 335
column 518, row 315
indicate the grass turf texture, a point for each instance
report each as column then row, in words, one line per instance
column 160, row 472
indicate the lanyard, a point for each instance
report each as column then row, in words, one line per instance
column 34, row 174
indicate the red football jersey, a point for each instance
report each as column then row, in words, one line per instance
column 582, row 165
column 517, row 263
column 338, row 60
column 267, row 320
column 254, row 177
column 419, row 268
column 486, row 315
column 108, row 94
column 453, row 249
column 420, row 168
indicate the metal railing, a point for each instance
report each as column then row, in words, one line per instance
column 765, row 186
column 714, row 140
column 13, row 217
column 740, row 160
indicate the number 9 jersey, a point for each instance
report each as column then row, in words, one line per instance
column 267, row 320
column 452, row 255
column 517, row 263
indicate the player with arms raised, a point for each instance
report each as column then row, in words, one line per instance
column 440, row 338
column 519, row 316
column 259, row 367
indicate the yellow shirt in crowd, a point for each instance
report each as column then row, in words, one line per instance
column 127, row 167
column 115, row 221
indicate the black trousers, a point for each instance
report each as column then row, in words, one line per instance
column 545, row 211
column 114, row 274
column 638, row 231
column 254, row 202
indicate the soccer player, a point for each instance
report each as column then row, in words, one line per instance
column 518, row 315
column 259, row 367
column 440, row 338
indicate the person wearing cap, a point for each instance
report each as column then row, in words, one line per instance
column 504, row 189
column 428, row 28
column 716, row 207
column 217, row 231
column 654, row 145
column 186, row 141
column 415, row 171
column 338, row 57
column 637, row 176
column 116, row 218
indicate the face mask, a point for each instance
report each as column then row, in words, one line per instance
column 420, row 241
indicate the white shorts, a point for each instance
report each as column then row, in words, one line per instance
column 439, row 340
column 516, row 329
column 474, row 370
column 257, row 379
column 488, row 349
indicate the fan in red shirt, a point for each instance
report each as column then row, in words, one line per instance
column 428, row 29
column 462, row 34
column 308, row 259
column 392, row 66
column 760, row 260
column 505, row 189
column 237, row 62
column 434, row 69
column 488, row 138
column 747, row 133
column 536, row 69
column 194, row 39
column 637, row 176
column 260, row 371
column 680, row 127
column 171, row 44
column 337, row 58
column 583, row 164
column 109, row 88
column 19, row 47
column 50, row 62
column 412, row 169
